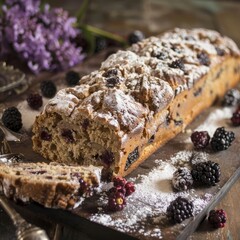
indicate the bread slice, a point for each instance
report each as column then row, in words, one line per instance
column 52, row 185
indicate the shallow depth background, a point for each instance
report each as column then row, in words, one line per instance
column 155, row 16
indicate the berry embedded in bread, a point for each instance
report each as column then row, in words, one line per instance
column 52, row 185
column 139, row 99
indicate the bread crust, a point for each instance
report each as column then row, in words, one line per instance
column 138, row 100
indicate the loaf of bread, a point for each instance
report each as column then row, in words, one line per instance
column 52, row 185
column 138, row 100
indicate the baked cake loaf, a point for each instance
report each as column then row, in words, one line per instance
column 52, row 185
column 138, row 100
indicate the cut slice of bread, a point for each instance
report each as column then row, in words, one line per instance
column 52, row 185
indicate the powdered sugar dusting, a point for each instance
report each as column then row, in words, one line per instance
column 153, row 195
column 219, row 117
column 216, row 118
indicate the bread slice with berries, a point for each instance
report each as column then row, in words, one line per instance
column 52, row 185
column 139, row 99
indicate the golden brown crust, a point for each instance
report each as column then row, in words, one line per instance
column 120, row 114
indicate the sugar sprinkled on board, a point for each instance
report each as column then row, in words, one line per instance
column 216, row 118
column 153, row 194
column 219, row 117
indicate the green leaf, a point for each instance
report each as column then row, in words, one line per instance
column 82, row 11
column 96, row 31
column 90, row 38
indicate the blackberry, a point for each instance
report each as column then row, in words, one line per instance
column 160, row 55
column 132, row 157
column 72, row 78
column 200, row 139
column 116, row 202
column 121, row 185
column 231, row 98
column 119, row 181
column 112, row 82
column 110, row 73
column 235, row 119
column 180, row 209
column 107, row 158
column 85, row 124
column 222, row 139
column 12, row 119
column 217, row 218
column 100, row 44
column 206, row 173
column 198, row 157
column 67, row 134
column 130, row 188
column 34, row 101
column 45, row 136
column 135, row 36
column 114, row 190
column 182, row 179
column 203, row 58
column 48, row 88
column 177, row 64
column 220, row 52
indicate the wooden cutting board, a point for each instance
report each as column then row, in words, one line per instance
column 80, row 217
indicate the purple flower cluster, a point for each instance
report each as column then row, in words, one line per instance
column 43, row 39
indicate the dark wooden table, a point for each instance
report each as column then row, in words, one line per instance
column 152, row 17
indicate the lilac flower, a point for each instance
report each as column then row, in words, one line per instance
column 42, row 39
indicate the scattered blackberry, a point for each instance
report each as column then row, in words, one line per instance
column 100, row 44
column 198, row 157
column 119, row 182
column 182, row 179
column 180, row 209
column 203, row 58
column 235, row 119
column 34, row 101
column 222, row 139
column 72, row 78
column 48, row 88
column 217, row 218
column 130, row 188
column 12, row 119
column 116, row 202
column 114, row 190
column 177, row 64
column 121, row 185
column 231, row 98
column 200, row 139
column 206, row 173
column 135, row 37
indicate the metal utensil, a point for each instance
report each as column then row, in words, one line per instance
column 25, row 230
column 11, row 79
